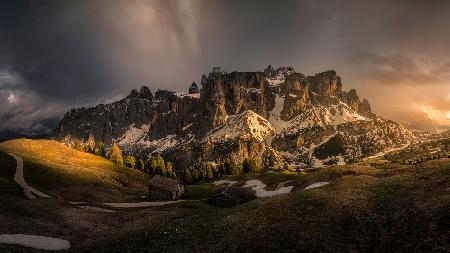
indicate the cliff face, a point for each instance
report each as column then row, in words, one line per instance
column 292, row 117
column 163, row 114
column 225, row 94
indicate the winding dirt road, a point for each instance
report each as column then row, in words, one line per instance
column 32, row 193
column 29, row 191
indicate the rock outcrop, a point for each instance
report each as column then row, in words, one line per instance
column 293, row 118
column 193, row 88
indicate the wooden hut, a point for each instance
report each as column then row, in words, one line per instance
column 163, row 188
column 226, row 196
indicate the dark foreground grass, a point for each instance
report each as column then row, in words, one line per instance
column 7, row 171
column 199, row 191
column 407, row 212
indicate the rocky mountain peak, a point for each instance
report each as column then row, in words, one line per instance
column 143, row 93
column 278, row 76
column 193, row 88
column 327, row 83
column 240, row 115
column 269, row 71
column 216, row 72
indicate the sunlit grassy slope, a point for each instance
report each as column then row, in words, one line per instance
column 77, row 176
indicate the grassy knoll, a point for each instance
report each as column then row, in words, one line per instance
column 63, row 172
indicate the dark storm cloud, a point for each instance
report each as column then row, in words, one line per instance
column 52, row 50
column 403, row 70
column 59, row 54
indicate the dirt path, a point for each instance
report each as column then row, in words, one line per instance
column 315, row 185
column 32, row 193
column 35, row 241
column 29, row 191
column 143, row 204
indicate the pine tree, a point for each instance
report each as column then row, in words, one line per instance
column 101, row 150
column 231, row 167
column 201, row 172
column 116, row 155
column 194, row 173
column 161, row 166
column 130, row 161
column 77, row 146
column 209, row 172
column 269, row 159
column 246, row 165
column 153, row 165
column 163, row 171
column 140, row 165
column 250, row 165
column 90, row 144
column 169, row 169
column 188, row 175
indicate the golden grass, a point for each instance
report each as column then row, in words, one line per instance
column 52, row 166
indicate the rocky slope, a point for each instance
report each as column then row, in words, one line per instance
column 276, row 115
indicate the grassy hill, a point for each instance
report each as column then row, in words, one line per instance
column 77, row 176
column 391, row 208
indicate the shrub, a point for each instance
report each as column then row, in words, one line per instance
column 158, row 166
column 209, row 172
column 231, row 167
column 250, row 165
column 194, row 173
column 130, row 161
column 188, row 175
column 116, row 155
column 77, row 146
column 269, row 159
column 100, row 149
column 169, row 169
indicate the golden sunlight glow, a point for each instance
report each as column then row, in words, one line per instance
column 439, row 116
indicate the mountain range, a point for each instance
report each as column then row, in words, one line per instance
column 277, row 117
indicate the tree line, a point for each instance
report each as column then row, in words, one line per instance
column 156, row 164
column 206, row 171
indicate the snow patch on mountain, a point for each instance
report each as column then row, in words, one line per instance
column 160, row 145
column 322, row 116
column 134, row 134
column 139, row 137
column 246, row 125
column 275, row 115
column 279, row 76
column 183, row 94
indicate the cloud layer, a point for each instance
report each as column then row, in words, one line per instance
column 60, row 54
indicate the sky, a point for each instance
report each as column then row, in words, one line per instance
column 55, row 55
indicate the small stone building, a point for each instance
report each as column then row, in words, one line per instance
column 163, row 188
column 226, row 197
